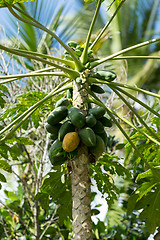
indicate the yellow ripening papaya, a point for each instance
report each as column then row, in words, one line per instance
column 70, row 141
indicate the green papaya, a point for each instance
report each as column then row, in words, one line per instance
column 90, row 52
column 99, row 148
column 69, row 93
column 106, row 75
column 89, row 105
column 57, row 115
column 105, row 121
column 62, row 102
column 56, row 153
column 77, row 117
column 53, row 129
column 68, row 57
column 104, row 137
column 98, row 127
column 79, row 80
column 97, row 89
column 98, row 112
column 66, row 127
column 90, row 120
column 53, row 136
column 87, row 136
column 72, row 44
column 79, row 48
column 78, row 52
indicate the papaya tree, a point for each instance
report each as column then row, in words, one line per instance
column 77, row 123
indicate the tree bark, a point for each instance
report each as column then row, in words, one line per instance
column 80, row 179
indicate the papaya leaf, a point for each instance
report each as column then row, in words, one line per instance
column 36, row 119
column 145, row 188
column 145, row 174
column 151, row 211
column 102, row 173
column 154, row 173
column 131, row 203
column 5, row 3
column 5, row 166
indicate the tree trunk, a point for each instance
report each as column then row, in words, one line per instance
column 80, row 179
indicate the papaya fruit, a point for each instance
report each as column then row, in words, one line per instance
column 78, row 52
column 68, row 57
column 98, row 127
column 89, row 105
column 79, row 80
column 70, row 141
column 62, row 102
column 98, row 112
column 57, row 115
column 90, row 120
column 99, row 148
column 105, row 121
column 69, row 93
column 53, row 129
column 106, row 75
column 77, row 117
column 104, row 137
column 72, row 44
column 56, row 153
column 66, row 127
column 87, row 136
column 53, row 136
column 97, row 89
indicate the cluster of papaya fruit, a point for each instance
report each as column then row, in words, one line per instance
column 77, row 49
column 69, row 126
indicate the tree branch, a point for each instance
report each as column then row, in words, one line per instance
column 98, row 62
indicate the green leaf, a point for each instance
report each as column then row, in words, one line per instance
column 5, row 166
column 65, row 208
column 152, row 211
column 24, row 140
column 4, row 150
column 2, row 178
column 146, row 174
column 154, row 173
column 4, row 3
column 60, row 194
column 145, row 188
column 131, row 203
column 44, row 200
column 13, row 196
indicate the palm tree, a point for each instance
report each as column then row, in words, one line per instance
column 137, row 21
